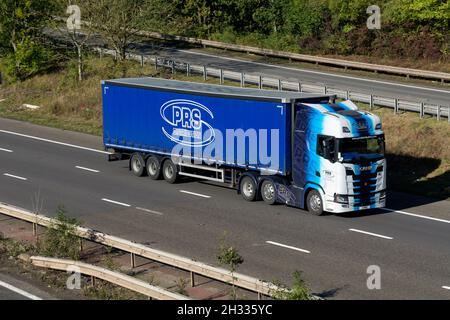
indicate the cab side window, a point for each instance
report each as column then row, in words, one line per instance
column 326, row 147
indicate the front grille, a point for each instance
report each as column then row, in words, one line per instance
column 364, row 186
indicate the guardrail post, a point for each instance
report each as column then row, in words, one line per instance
column 172, row 65
column 188, row 70
column 395, row 106
column 142, row 60
column 422, row 110
column 371, row 102
column 205, row 73
column 325, row 89
column 242, row 79
column 221, row 76
column 347, row 95
column 192, row 279
column 101, row 53
column 133, row 260
column 438, row 113
column 260, row 82
column 259, row 296
column 156, row 62
column 34, row 229
column 81, row 244
column 448, row 114
column 300, row 89
column 280, row 85
column 92, row 281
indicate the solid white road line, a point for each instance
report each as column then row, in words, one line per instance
column 416, row 215
column 445, row 287
column 371, row 234
column 87, row 169
column 149, row 211
column 19, row 291
column 315, row 72
column 287, row 247
column 54, row 142
column 6, row 150
column 15, row 177
column 195, row 194
column 116, row 202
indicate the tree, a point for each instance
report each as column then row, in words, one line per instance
column 77, row 31
column 21, row 25
column 118, row 21
column 230, row 257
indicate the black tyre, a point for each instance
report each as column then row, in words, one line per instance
column 314, row 203
column 268, row 192
column 248, row 189
column 170, row 171
column 153, row 168
column 137, row 165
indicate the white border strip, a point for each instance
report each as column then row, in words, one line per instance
column 416, row 215
column 19, row 291
column 87, row 169
column 15, row 177
column 195, row 194
column 6, row 150
column 55, row 142
column 116, row 202
column 371, row 234
column 287, row 247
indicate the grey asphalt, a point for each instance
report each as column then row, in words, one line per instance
column 31, row 288
column 415, row 264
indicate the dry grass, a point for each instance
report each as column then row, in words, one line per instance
column 418, row 153
column 419, row 150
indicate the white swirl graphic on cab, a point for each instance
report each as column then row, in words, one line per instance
column 186, row 123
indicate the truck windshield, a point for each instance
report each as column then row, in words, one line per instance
column 357, row 149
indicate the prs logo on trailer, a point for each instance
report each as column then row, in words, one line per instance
column 186, row 124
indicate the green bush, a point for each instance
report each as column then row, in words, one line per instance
column 60, row 239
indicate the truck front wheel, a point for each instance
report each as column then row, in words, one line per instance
column 137, row 165
column 248, row 189
column 170, row 171
column 314, row 203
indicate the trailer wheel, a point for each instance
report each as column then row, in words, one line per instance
column 248, row 189
column 137, row 165
column 170, row 171
column 314, row 203
column 268, row 192
column 153, row 168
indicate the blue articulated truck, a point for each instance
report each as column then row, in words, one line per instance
column 304, row 150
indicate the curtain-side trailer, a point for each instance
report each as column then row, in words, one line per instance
column 303, row 150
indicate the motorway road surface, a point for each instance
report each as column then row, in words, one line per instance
column 334, row 252
column 14, row 288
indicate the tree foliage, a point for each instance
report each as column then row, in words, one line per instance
column 21, row 42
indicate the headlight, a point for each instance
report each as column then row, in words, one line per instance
column 338, row 198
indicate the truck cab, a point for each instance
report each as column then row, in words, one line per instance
column 338, row 158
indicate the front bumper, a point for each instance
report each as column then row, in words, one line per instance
column 334, row 207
